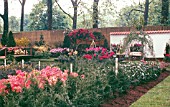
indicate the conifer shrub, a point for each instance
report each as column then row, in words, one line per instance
column 4, row 39
column 11, row 42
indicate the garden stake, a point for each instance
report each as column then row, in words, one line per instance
column 5, row 62
column 71, row 67
column 116, row 66
column 22, row 63
column 39, row 64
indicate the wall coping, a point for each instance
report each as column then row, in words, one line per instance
column 148, row 32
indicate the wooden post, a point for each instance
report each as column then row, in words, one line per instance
column 5, row 62
column 25, row 50
column 71, row 67
column 22, row 63
column 5, row 52
column 116, row 66
column 31, row 51
column 39, row 65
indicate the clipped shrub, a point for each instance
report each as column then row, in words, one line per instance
column 106, row 44
column 41, row 42
column 66, row 42
column 11, row 42
column 167, row 48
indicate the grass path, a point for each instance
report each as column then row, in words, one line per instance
column 159, row 96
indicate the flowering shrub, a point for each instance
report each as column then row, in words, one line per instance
column 24, row 79
column 98, row 52
column 58, row 51
column 136, row 48
column 89, row 84
column 68, row 55
column 42, row 48
column 42, row 51
column 82, row 34
column 141, row 72
column 22, row 41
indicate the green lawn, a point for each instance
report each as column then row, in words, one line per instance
column 159, row 96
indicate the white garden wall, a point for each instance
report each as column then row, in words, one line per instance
column 160, row 38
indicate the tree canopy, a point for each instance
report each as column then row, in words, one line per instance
column 38, row 18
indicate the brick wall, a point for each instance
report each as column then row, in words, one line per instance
column 56, row 36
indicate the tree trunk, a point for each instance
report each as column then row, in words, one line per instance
column 5, row 16
column 165, row 12
column 75, row 6
column 95, row 13
column 146, row 12
column 49, row 12
column 75, row 17
column 22, row 15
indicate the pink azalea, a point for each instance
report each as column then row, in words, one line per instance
column 3, row 86
column 23, row 79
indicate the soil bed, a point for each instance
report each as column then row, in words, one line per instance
column 135, row 93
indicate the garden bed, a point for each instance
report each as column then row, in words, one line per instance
column 135, row 93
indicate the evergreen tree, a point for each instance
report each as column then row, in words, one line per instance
column 106, row 44
column 11, row 42
column 66, row 42
column 4, row 39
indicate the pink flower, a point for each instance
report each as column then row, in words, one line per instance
column 94, row 55
column 3, row 86
column 73, row 74
column 82, row 76
column 143, row 61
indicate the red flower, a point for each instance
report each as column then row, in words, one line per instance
column 167, row 55
column 88, row 56
column 81, row 34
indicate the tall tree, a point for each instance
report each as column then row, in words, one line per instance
column 146, row 12
column 13, row 24
column 5, row 17
column 138, row 13
column 38, row 18
column 95, row 13
column 75, row 4
column 22, row 14
column 165, row 12
column 49, row 12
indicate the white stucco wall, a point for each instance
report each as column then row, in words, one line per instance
column 159, row 42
